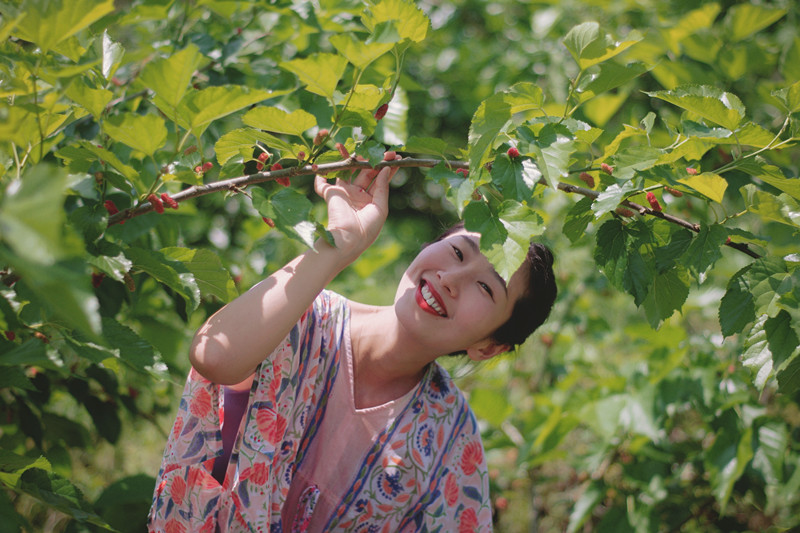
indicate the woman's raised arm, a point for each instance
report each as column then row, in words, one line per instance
column 232, row 342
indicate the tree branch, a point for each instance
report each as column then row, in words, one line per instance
column 236, row 184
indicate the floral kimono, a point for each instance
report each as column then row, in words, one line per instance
column 424, row 472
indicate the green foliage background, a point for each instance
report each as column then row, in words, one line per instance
column 662, row 395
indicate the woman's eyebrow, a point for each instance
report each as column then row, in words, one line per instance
column 474, row 246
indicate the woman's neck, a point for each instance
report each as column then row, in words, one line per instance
column 386, row 364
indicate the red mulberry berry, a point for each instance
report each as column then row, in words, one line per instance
column 343, row 151
column 588, row 179
column 301, row 155
column 381, row 112
column 625, row 212
column 608, row 169
column 673, row 192
column 268, row 221
column 169, row 200
column 208, row 165
column 263, row 156
column 10, row 335
column 283, row 181
column 653, row 201
column 198, row 169
column 192, row 149
column 692, row 171
column 156, row 202
column 97, row 279
column 110, row 207
column 276, row 166
column 463, row 171
column 314, row 167
column 513, row 152
column 259, row 166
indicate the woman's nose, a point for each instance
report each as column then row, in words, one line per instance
column 449, row 280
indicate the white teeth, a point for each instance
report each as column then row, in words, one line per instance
column 426, row 294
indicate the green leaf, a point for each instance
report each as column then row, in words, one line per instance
column 781, row 338
column 790, row 97
column 405, row 16
column 667, row 256
column 610, row 76
column 727, row 459
column 757, row 354
column 320, row 73
column 591, row 496
column 429, row 146
column 169, row 77
column 242, row 142
column 12, row 466
column 707, row 102
column 609, row 199
column 494, row 115
column 93, row 100
column 279, row 121
column 47, row 22
column 134, row 350
column 783, row 208
column 636, row 279
column 706, row 248
column 291, row 212
column 667, row 295
column 520, row 225
column 588, row 47
column 746, row 19
column 789, row 376
column 578, row 219
column 32, row 216
column 358, row 53
column 774, row 176
column 736, row 308
column 112, row 53
column 553, row 147
column 59, row 493
column 171, row 273
column 211, row 276
column 708, row 184
column 508, row 177
column 200, row 108
column 145, row 133
column 491, row 405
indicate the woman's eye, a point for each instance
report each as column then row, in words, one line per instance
column 486, row 288
column 458, row 253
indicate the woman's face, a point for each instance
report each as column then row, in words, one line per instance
column 450, row 298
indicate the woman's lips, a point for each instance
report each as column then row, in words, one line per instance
column 429, row 300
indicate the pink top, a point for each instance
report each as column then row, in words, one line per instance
column 346, row 433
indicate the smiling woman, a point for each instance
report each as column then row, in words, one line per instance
column 280, row 371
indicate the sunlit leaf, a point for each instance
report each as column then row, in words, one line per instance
column 407, row 18
column 145, row 133
column 211, row 276
column 199, row 108
column 712, row 104
column 589, row 47
column 280, row 121
column 320, row 73
column 169, row 77
column 171, row 273
column 746, row 19
column 47, row 22
column 708, row 184
column 357, row 52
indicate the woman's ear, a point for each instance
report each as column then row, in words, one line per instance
column 486, row 349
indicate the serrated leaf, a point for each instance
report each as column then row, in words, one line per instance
column 409, row 21
column 200, row 108
column 667, row 256
column 47, row 23
column 790, row 97
column 578, row 219
column 588, row 47
column 610, row 76
column 478, row 217
column 171, row 273
column 708, row 184
column 169, row 77
column 133, row 349
column 320, row 73
column 773, row 175
column 711, row 103
column 280, row 121
column 757, row 354
column 783, row 208
column 93, row 100
column 746, row 19
column 636, row 279
column 705, row 248
column 553, row 148
column 609, row 199
column 667, row 295
column 59, row 493
column 213, row 279
column 145, row 133
column 429, row 146
column 727, row 459
column 507, row 176
column 520, row 224
column 359, row 53
column 789, row 376
column 291, row 212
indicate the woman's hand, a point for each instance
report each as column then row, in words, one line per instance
column 357, row 209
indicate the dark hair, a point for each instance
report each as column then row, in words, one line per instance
column 533, row 307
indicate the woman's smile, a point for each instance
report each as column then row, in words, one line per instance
column 430, row 300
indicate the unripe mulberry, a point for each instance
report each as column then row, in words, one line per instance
column 321, row 136
column 608, row 169
column 208, row 165
column 156, row 202
column 268, row 221
column 343, row 151
column 692, row 171
column 169, row 200
column 198, row 169
column 463, row 171
column 673, row 192
column 624, row 211
column 381, row 112
column 588, row 179
column 653, row 201
column 301, row 155
column 513, row 152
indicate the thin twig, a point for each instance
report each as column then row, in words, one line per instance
column 239, row 183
